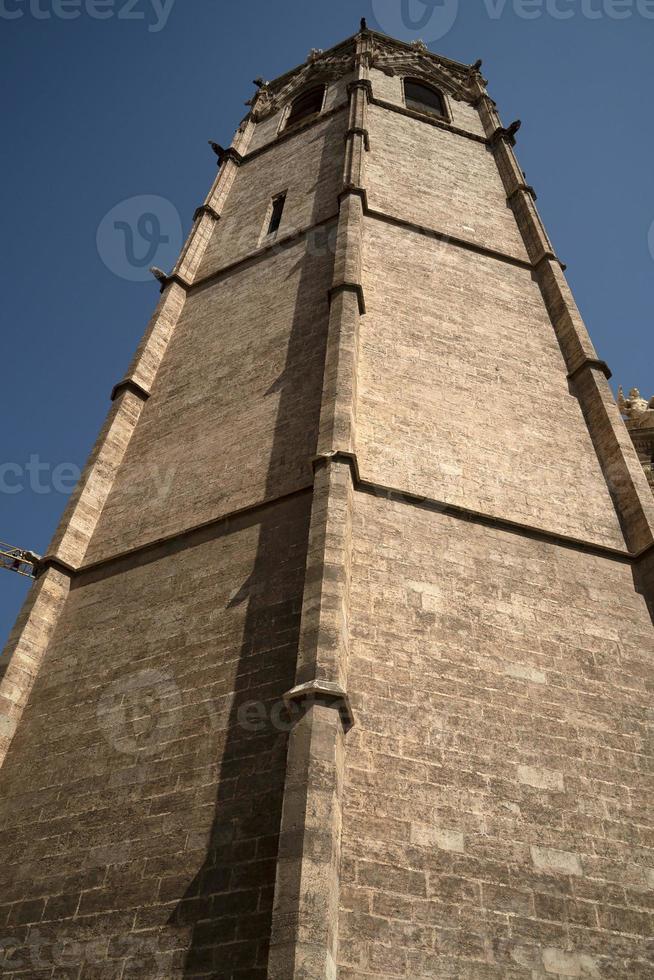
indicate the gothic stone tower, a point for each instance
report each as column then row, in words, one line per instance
column 320, row 678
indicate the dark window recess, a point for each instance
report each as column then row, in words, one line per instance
column 423, row 98
column 277, row 212
column 307, row 104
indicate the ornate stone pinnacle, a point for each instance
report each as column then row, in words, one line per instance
column 635, row 407
column 639, row 418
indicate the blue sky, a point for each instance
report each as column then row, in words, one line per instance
column 108, row 100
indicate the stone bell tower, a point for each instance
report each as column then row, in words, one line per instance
column 316, row 682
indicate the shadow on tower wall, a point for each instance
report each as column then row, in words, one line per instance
column 228, row 904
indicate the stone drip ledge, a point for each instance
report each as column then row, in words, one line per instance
column 322, row 692
column 187, row 537
column 233, row 520
column 376, row 215
column 362, row 485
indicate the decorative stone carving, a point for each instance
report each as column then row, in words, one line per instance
column 414, row 59
column 639, row 419
column 636, row 408
column 417, row 61
column 318, row 68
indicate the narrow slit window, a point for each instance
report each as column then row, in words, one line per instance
column 423, row 98
column 276, row 214
column 306, row 105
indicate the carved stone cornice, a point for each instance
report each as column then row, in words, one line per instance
column 417, row 61
column 318, row 68
column 387, row 54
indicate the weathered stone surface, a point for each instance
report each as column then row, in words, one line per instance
column 234, row 415
column 468, row 356
column 463, row 196
column 541, row 786
column 155, row 748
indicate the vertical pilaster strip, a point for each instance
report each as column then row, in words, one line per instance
column 29, row 639
column 304, row 941
column 25, row 647
column 347, row 301
column 623, row 473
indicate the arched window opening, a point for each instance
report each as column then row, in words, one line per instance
column 423, row 98
column 306, row 105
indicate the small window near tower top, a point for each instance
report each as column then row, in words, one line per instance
column 306, row 105
column 276, row 213
column 423, row 98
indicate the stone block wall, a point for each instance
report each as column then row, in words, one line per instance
column 142, row 795
column 233, row 416
column 446, row 183
column 497, row 817
column 459, row 560
column 463, row 394
column 311, row 191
